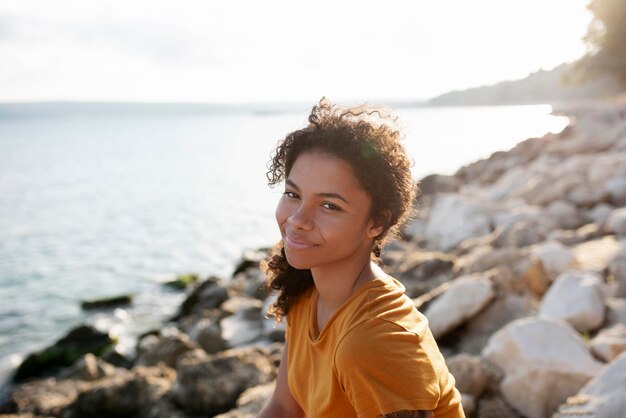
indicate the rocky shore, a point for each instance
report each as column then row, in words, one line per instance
column 518, row 261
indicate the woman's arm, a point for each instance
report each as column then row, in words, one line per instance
column 282, row 404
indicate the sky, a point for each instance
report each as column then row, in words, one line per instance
column 277, row 51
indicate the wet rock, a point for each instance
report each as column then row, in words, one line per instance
column 244, row 325
column 577, row 298
column 465, row 297
column 617, row 190
column 208, row 335
column 209, row 294
column 182, row 281
column 212, row 384
column 167, row 347
column 126, row 394
column 45, row 396
column 250, row 260
column 78, row 342
column 544, row 361
column 107, row 303
column 88, row 368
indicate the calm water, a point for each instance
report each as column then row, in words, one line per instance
column 109, row 201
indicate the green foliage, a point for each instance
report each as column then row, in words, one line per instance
column 606, row 37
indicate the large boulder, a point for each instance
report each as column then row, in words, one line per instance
column 78, row 342
column 47, row 397
column 601, row 397
column 466, row 296
column 133, row 393
column 211, row 384
column 544, row 361
column 167, row 347
column 454, row 218
column 577, row 298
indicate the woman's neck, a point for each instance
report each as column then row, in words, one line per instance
column 335, row 284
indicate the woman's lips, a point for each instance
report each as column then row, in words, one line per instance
column 297, row 244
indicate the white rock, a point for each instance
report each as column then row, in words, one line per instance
column 616, row 223
column 600, row 213
column 454, row 218
column 602, row 397
column 576, row 297
column 544, row 361
column 609, row 343
column 564, row 214
column 617, row 189
column 555, row 257
column 465, row 297
column 595, row 255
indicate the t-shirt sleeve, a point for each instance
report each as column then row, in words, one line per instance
column 384, row 368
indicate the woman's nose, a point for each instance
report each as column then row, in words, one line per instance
column 301, row 218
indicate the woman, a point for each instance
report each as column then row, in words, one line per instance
column 355, row 344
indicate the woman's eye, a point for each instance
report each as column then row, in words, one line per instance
column 330, row 206
column 290, row 195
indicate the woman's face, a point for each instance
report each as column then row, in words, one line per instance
column 324, row 215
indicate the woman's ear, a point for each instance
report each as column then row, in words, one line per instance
column 378, row 224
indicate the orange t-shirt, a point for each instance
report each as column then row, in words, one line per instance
column 375, row 356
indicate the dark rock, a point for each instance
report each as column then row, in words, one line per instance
column 128, row 394
column 209, row 294
column 166, row 347
column 88, row 368
column 210, row 385
column 182, row 281
column 107, row 303
column 78, row 342
column 250, row 259
column 46, row 397
column 438, row 183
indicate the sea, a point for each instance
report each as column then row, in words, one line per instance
column 104, row 199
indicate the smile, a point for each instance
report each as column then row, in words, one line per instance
column 296, row 244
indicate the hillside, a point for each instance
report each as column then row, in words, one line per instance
column 539, row 87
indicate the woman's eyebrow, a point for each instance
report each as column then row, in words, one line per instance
column 327, row 195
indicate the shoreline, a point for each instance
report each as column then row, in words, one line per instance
column 522, row 229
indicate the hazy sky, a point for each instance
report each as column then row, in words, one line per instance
column 251, row 50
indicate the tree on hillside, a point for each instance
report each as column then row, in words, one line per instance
column 606, row 37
